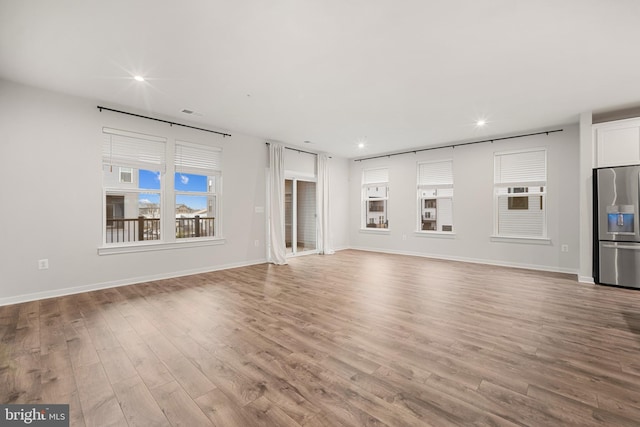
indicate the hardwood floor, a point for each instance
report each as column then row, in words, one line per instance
column 353, row 339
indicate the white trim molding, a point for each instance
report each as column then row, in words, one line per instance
column 475, row 261
column 124, row 282
column 160, row 246
column 521, row 239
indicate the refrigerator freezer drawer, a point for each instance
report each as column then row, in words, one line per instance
column 620, row 264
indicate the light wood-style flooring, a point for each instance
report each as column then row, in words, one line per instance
column 352, row 339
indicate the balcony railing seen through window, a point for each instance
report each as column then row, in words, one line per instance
column 122, row 230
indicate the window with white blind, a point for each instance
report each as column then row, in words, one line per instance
column 435, row 196
column 140, row 204
column 198, row 170
column 520, row 189
column 375, row 198
column 132, row 206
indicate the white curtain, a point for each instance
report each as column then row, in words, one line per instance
column 277, row 249
column 324, row 233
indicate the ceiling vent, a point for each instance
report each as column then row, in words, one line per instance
column 187, row 111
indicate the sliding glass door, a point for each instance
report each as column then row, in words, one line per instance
column 300, row 216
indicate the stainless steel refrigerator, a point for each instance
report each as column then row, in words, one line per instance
column 616, row 230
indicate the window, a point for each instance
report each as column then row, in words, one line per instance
column 140, row 211
column 126, row 175
column 197, row 181
column 133, row 206
column 375, row 196
column 520, row 184
column 435, row 196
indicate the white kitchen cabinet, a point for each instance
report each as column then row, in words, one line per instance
column 617, row 143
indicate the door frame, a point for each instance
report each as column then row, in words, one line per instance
column 294, row 216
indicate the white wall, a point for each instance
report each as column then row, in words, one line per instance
column 587, row 163
column 339, row 202
column 51, row 193
column 473, row 205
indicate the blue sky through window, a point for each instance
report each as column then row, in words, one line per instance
column 149, row 180
column 187, row 182
column 194, row 202
column 191, row 182
column 147, row 198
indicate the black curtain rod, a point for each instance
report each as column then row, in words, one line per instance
column 163, row 121
column 299, row 151
column 547, row 132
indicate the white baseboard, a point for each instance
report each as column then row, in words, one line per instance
column 124, row 282
column 474, row 260
column 586, row 279
column 131, row 281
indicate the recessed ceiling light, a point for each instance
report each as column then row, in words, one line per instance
column 361, row 145
column 481, row 122
column 139, row 78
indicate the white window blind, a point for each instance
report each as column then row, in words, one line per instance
column 132, row 149
column 375, row 176
column 435, row 173
column 521, row 167
column 521, row 222
column 520, row 180
column 445, row 213
column 197, row 158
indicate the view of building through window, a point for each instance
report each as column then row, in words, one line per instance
column 133, row 207
column 195, row 205
column 375, row 197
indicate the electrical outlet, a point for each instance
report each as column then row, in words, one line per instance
column 564, row 248
column 404, row 237
column 256, row 243
column 43, row 264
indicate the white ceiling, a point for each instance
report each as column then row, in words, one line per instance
column 396, row 74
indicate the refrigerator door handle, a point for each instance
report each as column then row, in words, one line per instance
column 614, row 246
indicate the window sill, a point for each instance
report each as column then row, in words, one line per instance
column 521, row 239
column 375, row 230
column 148, row 247
column 436, row 234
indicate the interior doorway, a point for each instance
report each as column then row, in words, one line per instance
column 300, row 216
